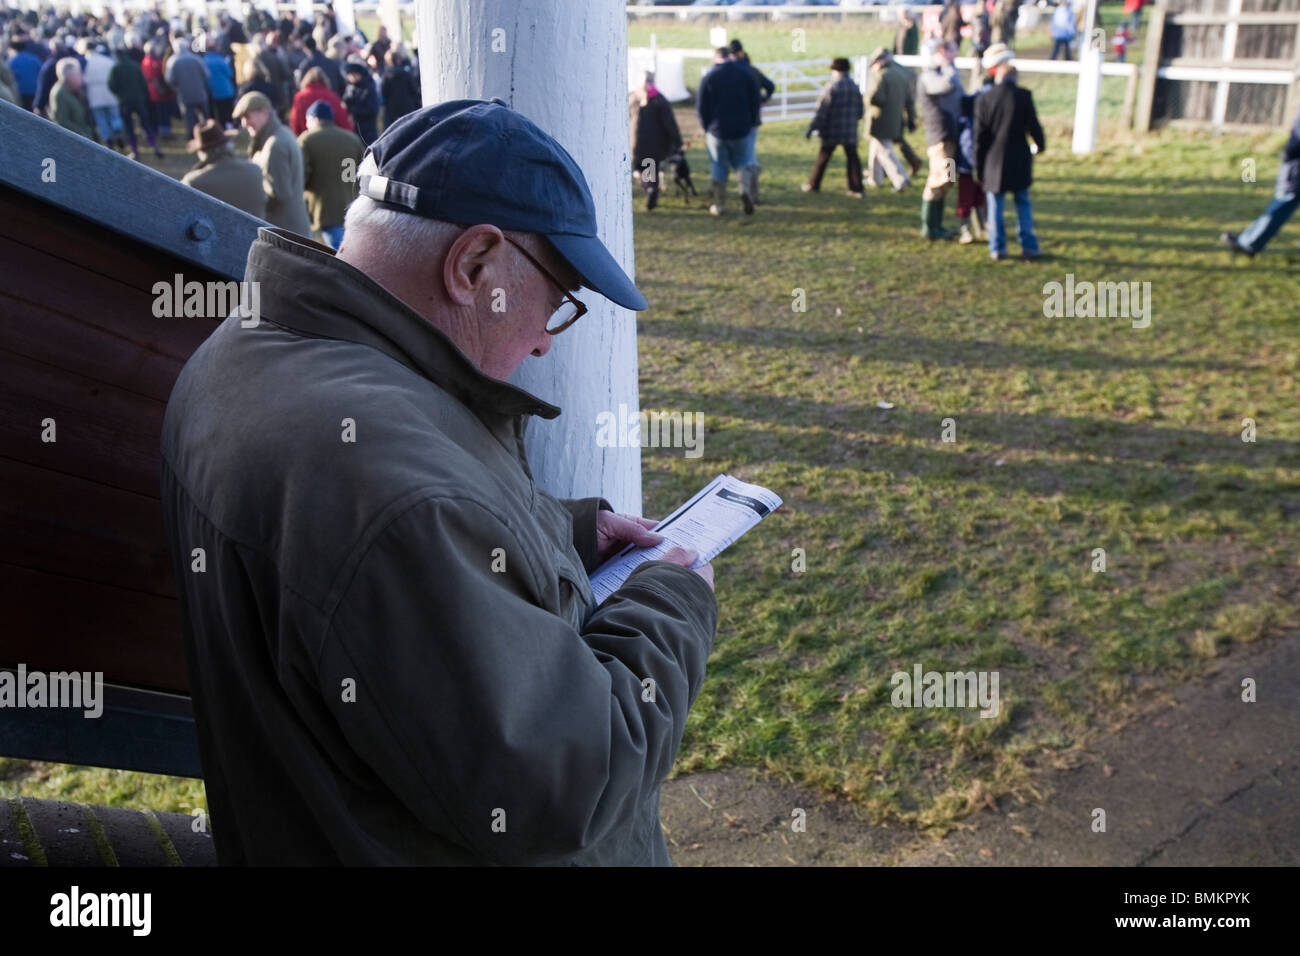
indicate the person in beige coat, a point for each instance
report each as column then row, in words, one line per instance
column 275, row 149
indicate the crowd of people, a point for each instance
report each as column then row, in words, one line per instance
column 309, row 96
column 979, row 142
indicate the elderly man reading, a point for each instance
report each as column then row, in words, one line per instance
column 393, row 648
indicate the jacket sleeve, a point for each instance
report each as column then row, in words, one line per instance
column 584, row 512
column 766, row 85
column 276, row 178
column 818, row 123
column 1291, row 151
column 1032, row 126
column 477, row 706
column 671, row 129
column 306, row 161
column 704, row 104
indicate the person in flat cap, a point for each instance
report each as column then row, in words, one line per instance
column 893, row 103
column 1004, row 122
column 275, row 149
column 394, row 651
column 220, row 173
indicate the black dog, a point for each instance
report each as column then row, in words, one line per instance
column 682, row 175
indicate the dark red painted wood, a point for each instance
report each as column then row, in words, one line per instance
column 85, row 580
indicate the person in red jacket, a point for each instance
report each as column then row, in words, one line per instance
column 1133, row 15
column 316, row 86
column 161, row 95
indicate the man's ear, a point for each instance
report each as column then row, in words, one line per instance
column 476, row 253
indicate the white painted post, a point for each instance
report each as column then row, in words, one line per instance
column 1089, row 91
column 1227, row 56
column 345, row 17
column 562, row 64
column 390, row 15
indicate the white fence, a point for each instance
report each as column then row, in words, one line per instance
column 799, row 82
column 749, row 11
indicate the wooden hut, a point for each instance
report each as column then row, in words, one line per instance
column 1225, row 63
column 85, row 371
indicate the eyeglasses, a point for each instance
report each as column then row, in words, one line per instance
column 570, row 311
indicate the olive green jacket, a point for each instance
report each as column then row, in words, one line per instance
column 330, row 157
column 394, row 651
column 892, row 100
column 69, row 111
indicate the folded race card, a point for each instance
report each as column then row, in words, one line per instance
column 709, row 523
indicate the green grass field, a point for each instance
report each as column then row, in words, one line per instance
column 1071, row 434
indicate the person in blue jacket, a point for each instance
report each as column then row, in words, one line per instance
column 26, row 66
column 221, row 82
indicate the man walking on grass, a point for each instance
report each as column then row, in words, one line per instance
column 892, row 100
column 839, row 110
column 1286, row 197
column 728, row 104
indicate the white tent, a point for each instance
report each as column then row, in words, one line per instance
column 667, row 67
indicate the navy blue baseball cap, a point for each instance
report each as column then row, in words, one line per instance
column 321, row 110
column 478, row 161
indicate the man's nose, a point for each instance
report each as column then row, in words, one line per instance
column 545, row 345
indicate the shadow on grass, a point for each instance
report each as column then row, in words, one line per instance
column 945, row 352
column 1144, row 464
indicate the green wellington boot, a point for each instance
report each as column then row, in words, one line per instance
column 937, row 231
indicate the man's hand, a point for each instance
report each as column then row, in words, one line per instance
column 686, row 558
column 613, row 531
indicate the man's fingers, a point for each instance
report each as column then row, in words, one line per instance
column 683, row 556
column 632, row 529
column 686, row 557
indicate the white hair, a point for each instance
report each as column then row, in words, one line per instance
column 67, row 67
column 392, row 234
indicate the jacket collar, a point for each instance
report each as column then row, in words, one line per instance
column 266, row 132
column 306, row 288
